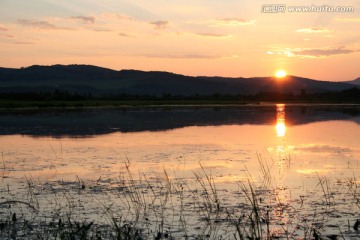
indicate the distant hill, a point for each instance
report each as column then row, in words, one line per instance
column 355, row 82
column 98, row 81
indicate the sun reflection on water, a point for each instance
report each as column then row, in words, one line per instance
column 282, row 153
column 281, row 149
column 280, row 120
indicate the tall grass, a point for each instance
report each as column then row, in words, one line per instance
column 158, row 206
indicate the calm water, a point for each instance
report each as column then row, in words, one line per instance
column 305, row 155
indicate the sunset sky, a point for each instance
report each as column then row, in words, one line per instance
column 231, row 38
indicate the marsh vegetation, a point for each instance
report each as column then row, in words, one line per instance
column 142, row 206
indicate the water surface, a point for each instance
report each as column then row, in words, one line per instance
column 304, row 155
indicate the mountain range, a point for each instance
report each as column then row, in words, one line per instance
column 98, row 81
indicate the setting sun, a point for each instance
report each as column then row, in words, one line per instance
column 280, row 74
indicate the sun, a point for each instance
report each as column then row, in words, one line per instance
column 280, row 74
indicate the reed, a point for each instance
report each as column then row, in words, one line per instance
column 157, row 206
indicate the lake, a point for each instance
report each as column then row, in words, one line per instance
column 260, row 171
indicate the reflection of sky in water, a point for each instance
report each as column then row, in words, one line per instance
column 315, row 147
column 230, row 152
column 93, row 122
column 291, row 158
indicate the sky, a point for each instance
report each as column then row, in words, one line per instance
column 231, row 38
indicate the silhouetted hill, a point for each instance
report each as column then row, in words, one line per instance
column 356, row 81
column 98, row 81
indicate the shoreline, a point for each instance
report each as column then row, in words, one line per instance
column 74, row 105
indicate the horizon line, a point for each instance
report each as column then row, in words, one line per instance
column 162, row 71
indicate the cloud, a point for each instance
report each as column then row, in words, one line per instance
column 9, row 36
column 216, row 35
column 313, row 30
column 23, row 43
column 224, row 22
column 40, row 24
column 99, row 29
column 85, row 19
column 37, row 24
column 124, row 35
column 287, row 52
column 321, row 52
column 232, row 22
column 160, row 25
column 312, row 52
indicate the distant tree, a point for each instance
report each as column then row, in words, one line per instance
column 303, row 92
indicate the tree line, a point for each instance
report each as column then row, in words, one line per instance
column 349, row 95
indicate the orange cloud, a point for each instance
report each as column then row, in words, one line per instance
column 23, row 43
column 160, row 25
column 313, row 30
column 232, row 22
column 313, row 52
column 216, row 35
column 41, row 24
column 100, row 29
column 124, row 35
column 322, row 52
column 85, row 19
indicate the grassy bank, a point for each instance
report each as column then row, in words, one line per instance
column 9, row 104
column 22, row 104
